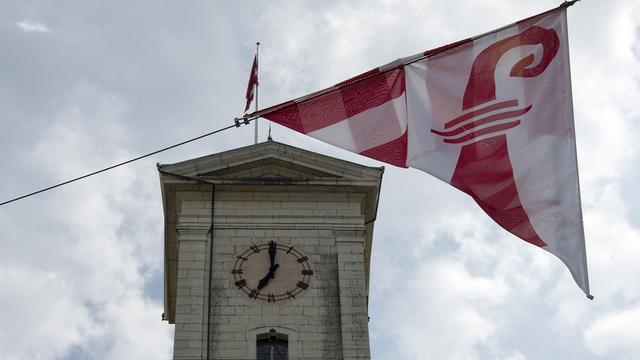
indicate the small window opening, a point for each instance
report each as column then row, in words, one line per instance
column 272, row 346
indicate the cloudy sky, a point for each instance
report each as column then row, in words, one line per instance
column 85, row 84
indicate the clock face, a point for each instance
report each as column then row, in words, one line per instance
column 272, row 272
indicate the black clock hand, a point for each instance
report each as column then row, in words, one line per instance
column 272, row 268
column 265, row 280
column 272, row 254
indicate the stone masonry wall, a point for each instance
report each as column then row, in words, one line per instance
column 327, row 321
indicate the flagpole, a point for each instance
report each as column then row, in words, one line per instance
column 257, row 84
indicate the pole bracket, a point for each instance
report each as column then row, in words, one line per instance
column 241, row 120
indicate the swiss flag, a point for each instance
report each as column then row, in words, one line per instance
column 490, row 115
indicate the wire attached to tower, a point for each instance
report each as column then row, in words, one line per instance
column 237, row 122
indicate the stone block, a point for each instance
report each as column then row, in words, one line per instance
column 187, row 354
column 188, row 335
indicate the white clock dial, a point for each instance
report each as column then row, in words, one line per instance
column 272, row 272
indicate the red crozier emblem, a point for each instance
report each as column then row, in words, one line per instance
column 484, row 168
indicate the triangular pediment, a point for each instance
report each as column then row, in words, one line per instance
column 270, row 160
column 269, row 168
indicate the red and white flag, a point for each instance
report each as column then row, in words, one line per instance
column 490, row 115
column 253, row 81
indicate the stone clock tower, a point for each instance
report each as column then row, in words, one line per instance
column 267, row 252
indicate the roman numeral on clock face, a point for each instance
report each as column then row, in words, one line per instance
column 236, row 271
column 302, row 259
column 254, row 294
column 307, row 272
column 302, row 285
column 255, row 248
column 241, row 283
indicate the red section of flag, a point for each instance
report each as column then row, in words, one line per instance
column 481, row 87
column 253, row 81
column 393, row 152
column 484, row 171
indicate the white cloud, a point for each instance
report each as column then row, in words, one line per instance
column 39, row 304
column 442, row 311
column 81, row 286
column 615, row 334
column 449, row 289
column 28, row 26
column 129, row 329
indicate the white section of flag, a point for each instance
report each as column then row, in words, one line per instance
column 368, row 129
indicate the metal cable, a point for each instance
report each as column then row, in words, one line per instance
column 237, row 124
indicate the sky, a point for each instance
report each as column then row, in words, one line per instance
column 86, row 84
